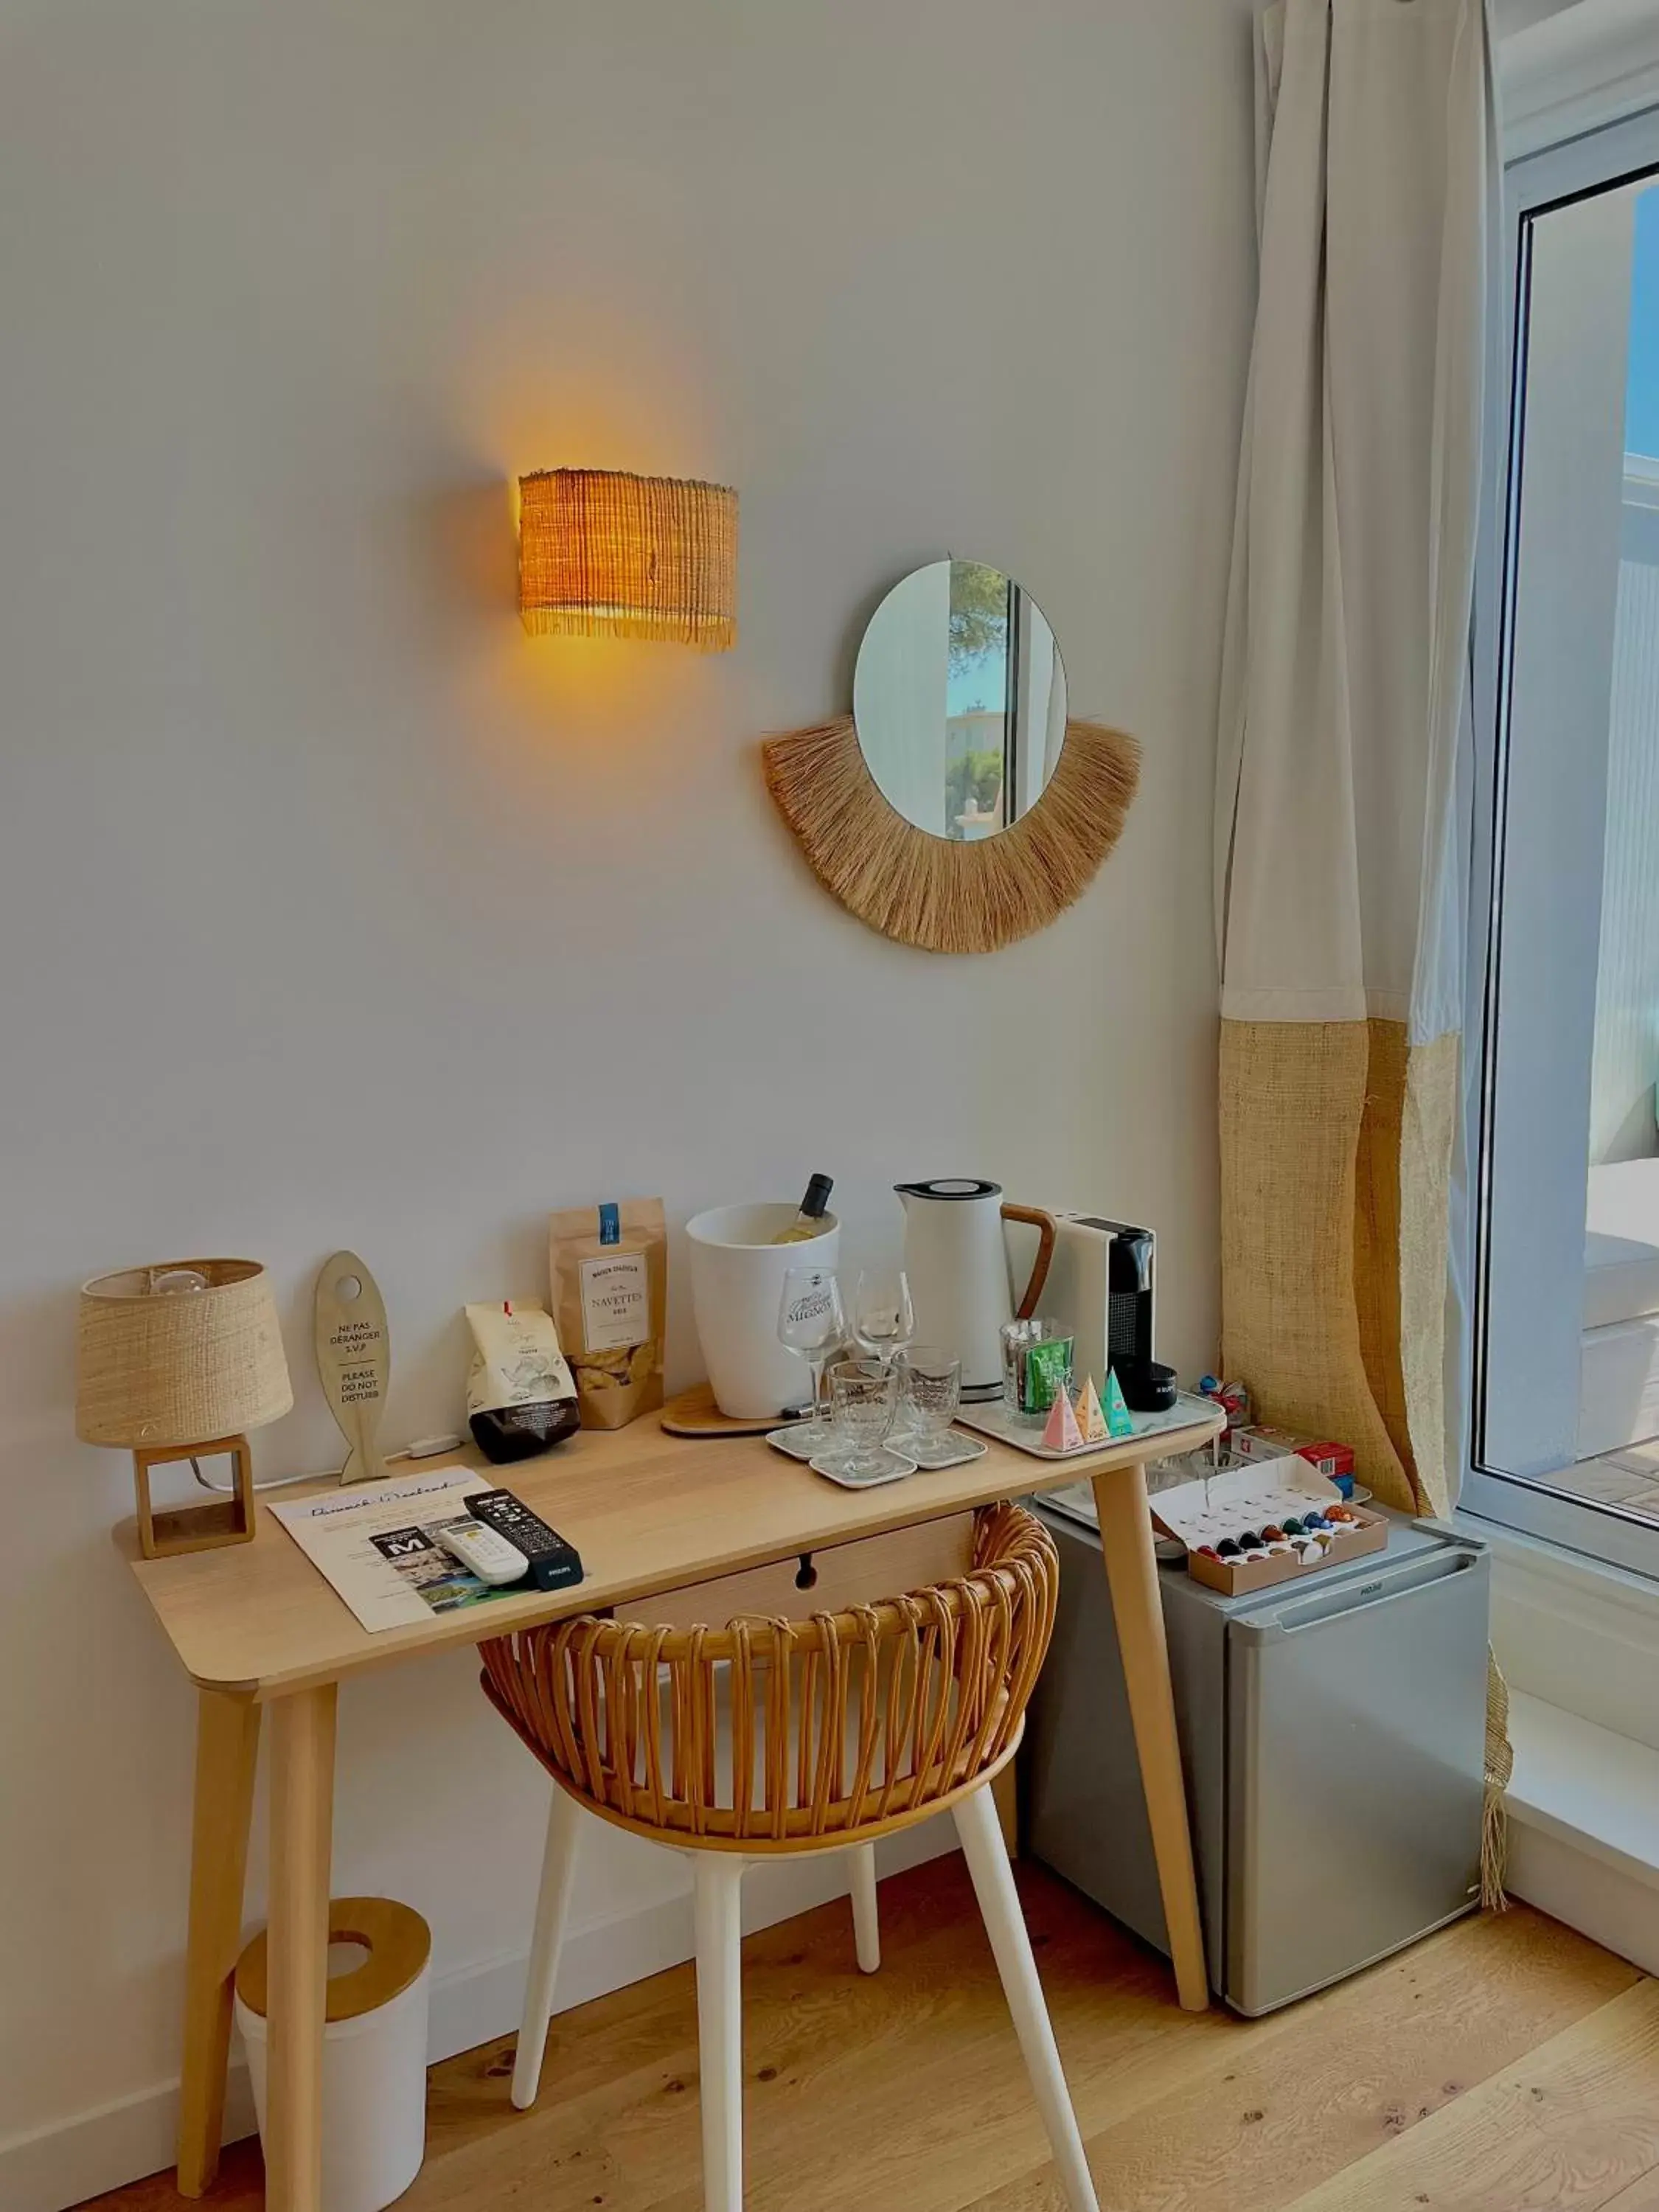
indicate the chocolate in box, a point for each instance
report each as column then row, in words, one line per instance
column 1260, row 1491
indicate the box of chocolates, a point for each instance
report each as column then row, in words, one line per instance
column 1269, row 1521
column 1332, row 1460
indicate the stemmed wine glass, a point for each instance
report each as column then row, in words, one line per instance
column 812, row 1322
column 884, row 1323
column 884, row 1319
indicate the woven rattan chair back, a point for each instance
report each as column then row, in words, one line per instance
column 772, row 1736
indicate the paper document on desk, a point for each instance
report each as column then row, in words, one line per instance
column 379, row 1546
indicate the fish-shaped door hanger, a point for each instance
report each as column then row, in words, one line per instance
column 354, row 1359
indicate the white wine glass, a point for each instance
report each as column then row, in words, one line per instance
column 884, row 1319
column 812, row 1322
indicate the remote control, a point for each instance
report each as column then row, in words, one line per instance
column 491, row 1558
column 554, row 1564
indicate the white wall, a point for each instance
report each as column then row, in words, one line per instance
column 334, row 910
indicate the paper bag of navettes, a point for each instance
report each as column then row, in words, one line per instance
column 610, row 1269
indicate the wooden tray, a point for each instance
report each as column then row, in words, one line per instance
column 693, row 1413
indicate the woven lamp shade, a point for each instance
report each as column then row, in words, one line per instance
column 605, row 555
column 161, row 1367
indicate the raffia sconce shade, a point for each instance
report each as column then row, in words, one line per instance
column 161, row 1368
column 602, row 554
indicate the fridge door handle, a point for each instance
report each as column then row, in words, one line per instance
column 1302, row 1615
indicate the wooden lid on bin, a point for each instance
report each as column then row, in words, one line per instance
column 399, row 1944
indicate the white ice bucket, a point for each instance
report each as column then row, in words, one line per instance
column 737, row 1287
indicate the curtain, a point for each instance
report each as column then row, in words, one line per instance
column 1345, row 697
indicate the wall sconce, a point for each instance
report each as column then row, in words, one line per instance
column 602, row 554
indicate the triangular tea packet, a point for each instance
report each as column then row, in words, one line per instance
column 1062, row 1433
column 1091, row 1421
column 1119, row 1420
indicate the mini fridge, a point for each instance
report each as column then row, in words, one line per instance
column 1332, row 1733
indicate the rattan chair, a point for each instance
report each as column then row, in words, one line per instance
column 770, row 1736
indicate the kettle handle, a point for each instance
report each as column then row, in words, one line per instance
column 1044, row 1223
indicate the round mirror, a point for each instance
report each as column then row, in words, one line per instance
column 959, row 698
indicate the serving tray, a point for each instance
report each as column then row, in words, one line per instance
column 992, row 1419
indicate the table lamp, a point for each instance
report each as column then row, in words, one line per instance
column 177, row 1361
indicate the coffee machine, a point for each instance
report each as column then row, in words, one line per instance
column 1102, row 1286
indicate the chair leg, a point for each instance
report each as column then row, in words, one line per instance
column 987, row 1855
column 866, row 1924
column 719, row 2025
column 558, row 1867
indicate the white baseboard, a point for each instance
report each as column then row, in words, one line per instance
column 61, row 2164
column 1572, row 1885
column 1578, row 1640
column 70, row 2159
column 1583, row 1808
column 1575, row 1633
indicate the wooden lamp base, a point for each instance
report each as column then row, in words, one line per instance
column 195, row 1527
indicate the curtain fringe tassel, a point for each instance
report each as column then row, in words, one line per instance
column 1500, row 1766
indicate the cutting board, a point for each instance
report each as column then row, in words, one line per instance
column 693, row 1413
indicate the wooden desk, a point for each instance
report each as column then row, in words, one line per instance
column 255, row 1625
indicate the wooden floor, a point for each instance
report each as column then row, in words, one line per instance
column 1505, row 2065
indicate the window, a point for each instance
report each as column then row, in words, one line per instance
column 978, row 717
column 1564, row 1429
column 1005, row 702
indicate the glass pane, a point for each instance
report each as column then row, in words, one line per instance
column 1617, row 1457
column 1628, row 981
column 1567, row 1399
column 976, row 729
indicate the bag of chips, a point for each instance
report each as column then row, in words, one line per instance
column 520, row 1397
column 609, row 1268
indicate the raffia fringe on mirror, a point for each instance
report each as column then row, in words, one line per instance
column 932, row 891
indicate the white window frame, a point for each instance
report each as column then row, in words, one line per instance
column 1540, row 821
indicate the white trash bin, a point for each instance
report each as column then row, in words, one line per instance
column 736, row 1285
column 374, row 2051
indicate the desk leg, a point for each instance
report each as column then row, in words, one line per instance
column 301, row 1819
column 227, row 1752
column 1126, row 1539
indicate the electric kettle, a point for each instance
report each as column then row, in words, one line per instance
column 957, row 1258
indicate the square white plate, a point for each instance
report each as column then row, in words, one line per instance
column 832, row 1472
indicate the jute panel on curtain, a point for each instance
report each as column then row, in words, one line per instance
column 1335, row 1171
column 1345, row 682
